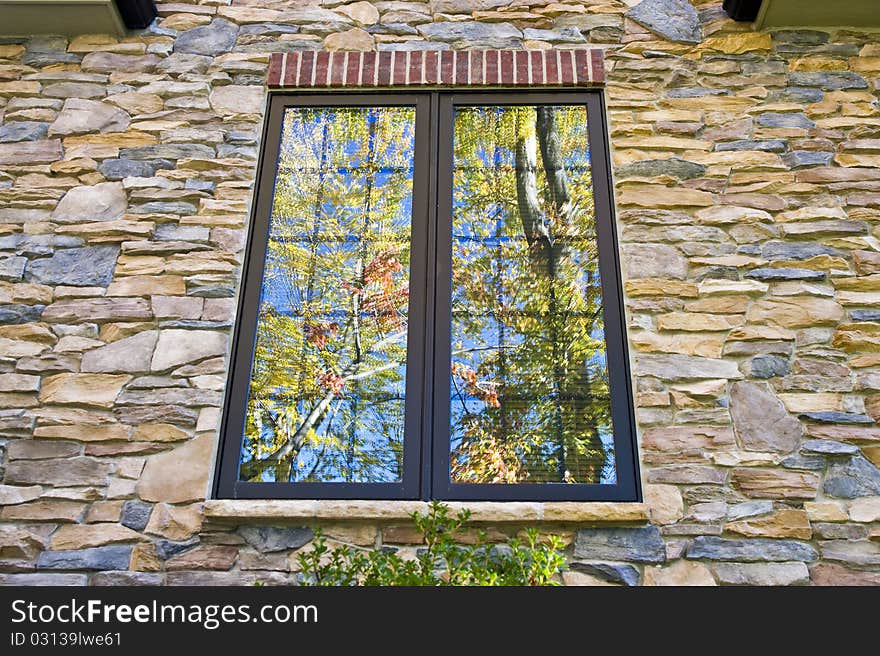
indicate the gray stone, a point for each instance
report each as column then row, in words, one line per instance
column 851, row 552
column 809, row 463
column 679, row 367
column 760, row 419
column 91, row 266
column 44, row 579
column 23, row 131
column 770, row 273
column 136, row 514
column 641, row 545
column 561, row 35
column 30, row 152
column 800, row 158
column 201, row 185
column 110, row 62
column 751, row 550
column 468, row 31
column 80, row 116
column 170, row 207
column 768, row 366
column 765, row 145
column 267, row 539
column 117, row 169
column 675, row 20
column 168, row 151
column 131, row 354
column 802, row 95
column 168, row 548
column 103, row 579
column 12, row 268
column 834, row 417
column 653, row 261
column 17, row 314
column 829, row 447
column 856, row 477
column 829, row 81
column 97, row 558
column 46, row 50
column 611, row 572
column 865, row 315
column 105, row 201
column 749, row 509
column 787, row 120
column 177, row 347
column 675, row 167
column 171, row 396
column 211, row 40
column 695, row 92
column 780, row 250
column 174, row 231
column 157, row 414
column 762, row 573
column 74, row 90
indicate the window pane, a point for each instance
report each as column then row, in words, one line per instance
column 529, row 395
column 327, row 387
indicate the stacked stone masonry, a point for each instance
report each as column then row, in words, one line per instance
column 747, row 170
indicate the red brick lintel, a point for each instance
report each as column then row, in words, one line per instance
column 310, row 69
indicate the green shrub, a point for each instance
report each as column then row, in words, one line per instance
column 442, row 561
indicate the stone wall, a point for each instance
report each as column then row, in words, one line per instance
column 747, row 173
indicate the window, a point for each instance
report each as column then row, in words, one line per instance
column 431, row 304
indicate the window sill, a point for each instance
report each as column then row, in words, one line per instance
column 276, row 510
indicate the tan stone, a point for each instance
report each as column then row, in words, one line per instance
column 11, row 495
column 145, row 559
column 796, row 312
column 175, row 522
column 660, row 287
column 665, row 505
column 19, row 543
column 872, row 453
column 811, row 402
column 147, row 286
column 763, row 483
column 354, row 39
column 711, row 287
column 104, row 511
column 184, row 21
column 135, row 102
column 708, row 345
column 732, row 215
column 363, row 13
column 853, row 159
column 854, row 337
column 159, row 433
column 359, row 534
column 39, row 511
column 84, row 432
column 237, row 99
column 573, row 578
column 99, row 390
column 720, row 304
column 752, row 333
column 825, row 511
column 83, row 536
column 179, row 475
column 858, row 298
column 739, row 43
column 865, row 509
column 680, row 573
column 696, row 322
column 656, row 196
column 677, row 439
column 787, row 523
column 212, row 557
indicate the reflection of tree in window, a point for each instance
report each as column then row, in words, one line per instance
column 326, row 399
column 530, row 385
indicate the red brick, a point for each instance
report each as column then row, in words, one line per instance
column 289, row 64
column 306, row 68
column 566, row 69
column 476, row 64
column 415, row 67
column 506, row 67
column 337, row 67
column 384, row 64
column 447, row 62
column 582, row 67
column 350, row 78
column 322, row 60
column 521, row 76
column 537, row 61
column 492, row 68
column 432, row 61
column 369, row 69
column 399, row 72
column 552, row 68
column 273, row 77
column 461, row 67
column 598, row 58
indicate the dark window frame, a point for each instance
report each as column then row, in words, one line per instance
column 426, row 432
